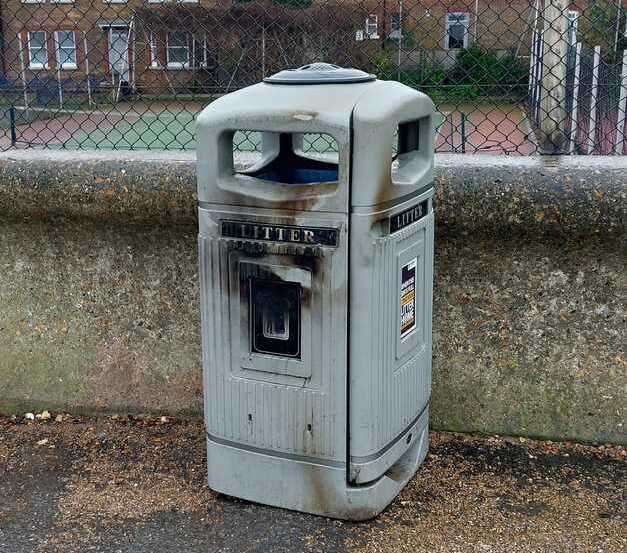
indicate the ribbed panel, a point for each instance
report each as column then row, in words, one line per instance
column 399, row 388
column 410, row 390
column 291, row 419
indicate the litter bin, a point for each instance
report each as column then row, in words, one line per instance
column 316, row 264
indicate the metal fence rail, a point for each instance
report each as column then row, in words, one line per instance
column 510, row 77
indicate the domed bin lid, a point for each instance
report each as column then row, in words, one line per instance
column 320, row 73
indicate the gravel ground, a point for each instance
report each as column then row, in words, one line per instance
column 122, row 484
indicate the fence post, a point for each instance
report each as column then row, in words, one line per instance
column 537, row 78
column 592, row 124
column 263, row 52
column 400, row 39
column 87, row 76
column 573, row 112
column 58, row 64
column 622, row 108
column 553, row 89
column 619, row 10
column 13, row 125
column 23, row 69
column 533, row 60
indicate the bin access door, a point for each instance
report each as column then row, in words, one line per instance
column 390, row 334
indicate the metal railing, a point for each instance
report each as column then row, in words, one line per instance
column 518, row 77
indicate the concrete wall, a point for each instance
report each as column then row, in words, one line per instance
column 99, row 297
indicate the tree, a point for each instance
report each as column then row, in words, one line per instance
column 598, row 25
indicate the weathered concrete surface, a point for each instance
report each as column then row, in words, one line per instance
column 569, row 197
column 139, row 486
column 122, row 188
column 98, row 288
column 529, row 338
column 99, row 316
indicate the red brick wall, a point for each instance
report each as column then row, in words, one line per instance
column 501, row 24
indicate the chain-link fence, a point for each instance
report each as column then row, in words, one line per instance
column 508, row 77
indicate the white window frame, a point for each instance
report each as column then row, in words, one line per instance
column 202, row 43
column 451, row 23
column 154, row 51
column 372, row 21
column 37, row 65
column 57, row 47
column 176, row 64
column 115, row 1
column 61, row 1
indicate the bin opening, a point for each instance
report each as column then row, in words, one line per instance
column 408, row 137
column 301, row 161
column 275, row 310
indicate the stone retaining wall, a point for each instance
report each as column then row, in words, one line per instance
column 99, row 289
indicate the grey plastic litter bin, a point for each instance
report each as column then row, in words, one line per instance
column 316, row 270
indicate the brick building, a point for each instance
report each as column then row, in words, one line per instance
column 91, row 41
column 167, row 46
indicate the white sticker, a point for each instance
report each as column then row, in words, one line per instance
column 408, row 297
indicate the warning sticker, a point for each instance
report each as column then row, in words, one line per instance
column 408, row 297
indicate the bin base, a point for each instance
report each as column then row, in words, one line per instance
column 306, row 486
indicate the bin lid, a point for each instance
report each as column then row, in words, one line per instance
column 320, row 73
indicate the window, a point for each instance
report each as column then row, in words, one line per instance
column 118, row 50
column 154, row 52
column 66, row 49
column 178, row 50
column 372, row 26
column 37, row 50
column 395, row 26
column 200, row 51
column 456, row 31
column 571, row 30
